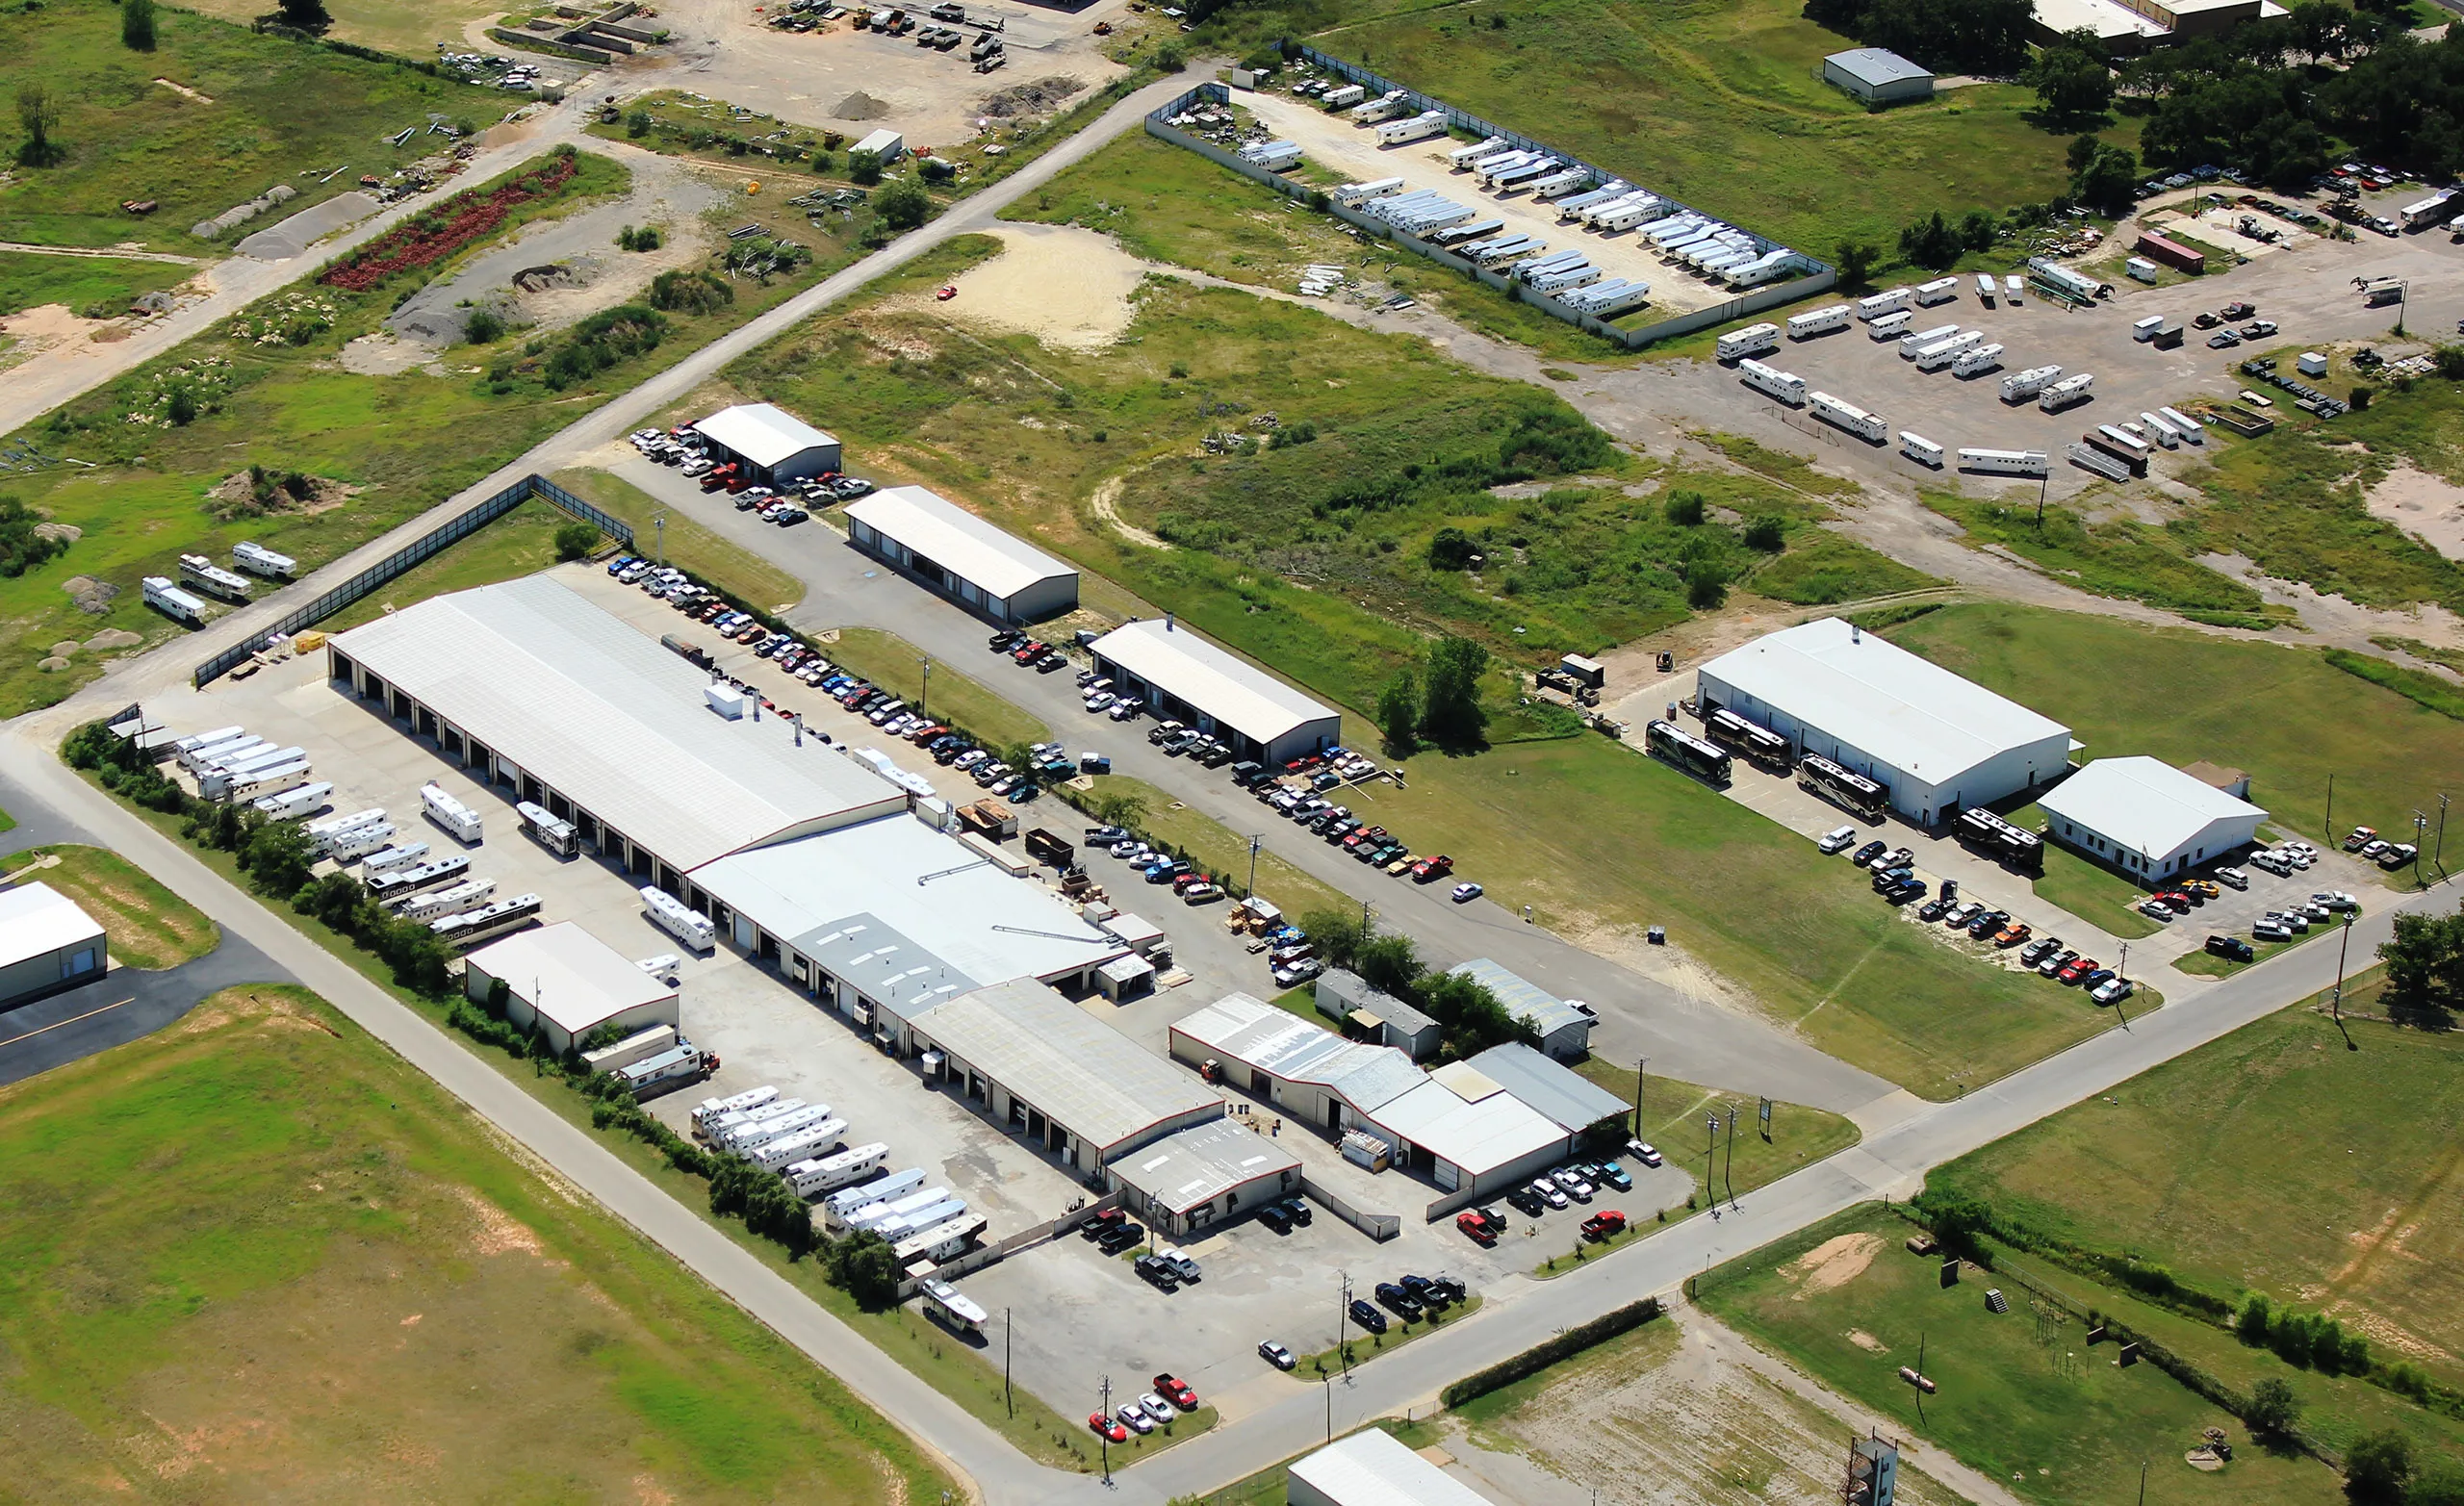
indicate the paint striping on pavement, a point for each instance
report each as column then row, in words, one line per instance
column 71, row 1020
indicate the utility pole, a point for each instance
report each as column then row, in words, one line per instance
column 1342, row 1316
column 2420, row 827
column 1729, row 1175
column 1330, row 1408
column 658, row 527
column 1638, row 1095
column 2336, row 1000
column 1711, row 1158
column 927, row 662
column 1006, row 1400
column 1365, row 922
column 1104, row 1439
column 2438, row 860
column 2330, row 833
column 2043, row 484
column 1255, row 842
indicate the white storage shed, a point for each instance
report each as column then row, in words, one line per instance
column 2146, row 818
column 1877, row 76
column 1183, row 677
column 567, row 984
column 961, row 556
column 46, row 944
column 771, row 444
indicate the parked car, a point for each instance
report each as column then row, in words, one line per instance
column 1646, row 1153
column 1476, row 1227
column 1603, row 1226
column 1107, row 1429
column 1549, row 1192
column 1576, row 1185
column 1276, row 1355
column 1134, row 1418
column 1465, row 893
column 2012, row 934
column 1367, row 1317
column 2113, row 990
column 2233, row 949
column 2075, row 969
column 1865, row 856
column 1835, row 840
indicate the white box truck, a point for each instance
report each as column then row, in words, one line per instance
column 2024, row 385
column 457, row 818
column 1786, row 386
column 679, row 920
column 1752, row 340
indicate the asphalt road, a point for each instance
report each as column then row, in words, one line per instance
column 124, row 1005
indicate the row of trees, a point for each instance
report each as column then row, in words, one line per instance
column 1985, row 37
column 22, row 543
column 1441, row 708
column 2264, row 98
column 1471, row 1018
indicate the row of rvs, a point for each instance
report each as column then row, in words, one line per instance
column 804, row 1143
column 178, row 601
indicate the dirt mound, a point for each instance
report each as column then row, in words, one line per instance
column 297, row 494
column 1834, row 1263
column 1034, row 98
column 92, row 596
column 114, row 638
column 860, row 106
column 64, row 532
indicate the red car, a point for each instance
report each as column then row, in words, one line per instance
column 1172, row 1389
column 947, row 293
column 1107, row 1429
column 1477, row 1227
column 1603, row 1225
column 2076, row 969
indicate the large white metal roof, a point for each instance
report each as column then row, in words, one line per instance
column 1896, row 707
column 958, row 540
column 1096, row 1082
column 1875, row 67
column 1227, row 688
column 1249, row 1030
column 1371, row 1469
column 36, row 919
column 762, row 432
column 2144, row 804
column 594, row 707
column 1196, row 1166
column 1478, row 1135
column 1566, row 1096
column 570, row 976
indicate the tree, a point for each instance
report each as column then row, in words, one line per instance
column 38, row 116
column 2252, row 1323
column 1683, row 507
column 865, row 168
column 1857, row 260
column 637, row 124
column 1958, row 1221
column 1398, row 714
column 22, row 547
column 902, row 204
column 1119, row 809
column 278, row 857
column 574, row 540
column 2377, row 1467
column 2424, row 977
column 1451, row 713
column 2439, row 1482
column 1472, row 1017
column 137, row 25
column 2109, row 181
column 1766, row 533
column 1389, row 963
column 308, row 16
column 1979, row 230
column 2273, row 1409
column 1931, row 242
column 2071, row 80
column 866, row 1268
column 183, row 407
column 1451, row 548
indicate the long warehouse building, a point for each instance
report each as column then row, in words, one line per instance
column 961, row 556
column 1183, row 677
column 1939, row 742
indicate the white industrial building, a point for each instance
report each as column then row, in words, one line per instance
column 960, row 555
column 1373, row 1015
column 566, row 983
column 2146, row 818
column 1198, row 1177
column 1941, row 743
column 771, row 444
column 1573, row 1102
column 46, row 944
column 1877, row 75
column 1564, row 1024
column 1373, row 1468
column 1033, row 1062
column 1183, row 677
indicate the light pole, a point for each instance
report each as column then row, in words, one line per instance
column 1104, row 1436
column 2421, row 829
column 1343, row 1315
column 1711, row 1162
column 1255, row 842
column 2336, row 1000
column 1330, row 1408
column 658, row 527
column 2438, row 860
column 927, row 662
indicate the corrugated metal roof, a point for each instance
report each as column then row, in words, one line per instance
column 1498, row 1131
column 36, row 918
column 596, row 708
column 2144, row 804
column 761, row 432
column 1875, row 67
column 1196, row 1166
column 1371, row 1468
column 1902, row 710
column 1251, row 1031
column 1096, row 1082
column 1573, row 1101
column 1353, row 992
column 1225, row 687
column 570, row 976
column 1523, row 998
column 958, row 540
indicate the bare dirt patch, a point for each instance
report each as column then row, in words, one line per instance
column 1867, row 1342
column 1834, row 1263
column 2430, row 507
column 385, row 355
column 499, row 1232
column 235, row 495
column 183, row 88
column 1069, row 287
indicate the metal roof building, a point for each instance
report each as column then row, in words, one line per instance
column 1564, row 1023
column 540, row 692
column 1371, row 1469
column 567, row 984
column 1379, row 1016
column 2146, row 818
column 1939, row 742
column 1194, row 1178
column 1877, row 76
column 771, row 444
column 960, row 555
column 46, row 943
column 1571, row 1099
column 1029, row 1058
column 1182, row 677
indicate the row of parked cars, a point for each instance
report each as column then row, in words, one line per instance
column 1577, row 1181
column 684, row 449
column 1193, row 884
column 2373, row 848
column 1171, row 1397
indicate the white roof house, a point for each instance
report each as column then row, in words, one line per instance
column 593, row 708
column 1939, row 741
column 1191, row 680
column 2146, row 817
column 770, row 439
column 1371, row 1469
column 570, row 982
column 46, row 942
column 962, row 555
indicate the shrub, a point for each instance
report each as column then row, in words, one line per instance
column 21, row 548
column 137, row 25
column 1766, row 533
column 2377, row 1467
column 902, row 204
column 864, row 167
column 637, row 124
column 1532, row 1361
column 483, row 327
column 2272, row 1410
column 574, row 540
column 696, row 292
column 1683, row 507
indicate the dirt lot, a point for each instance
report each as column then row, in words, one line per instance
column 2429, row 506
column 1068, row 288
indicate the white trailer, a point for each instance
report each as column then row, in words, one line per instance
column 1343, row 94
column 1453, row 235
column 2012, row 286
column 1487, row 168
column 2161, row 432
column 2004, row 462
column 556, row 835
column 1590, row 207
column 353, row 846
column 185, row 747
column 880, row 1189
column 1272, row 156
column 955, row 1308
column 198, row 755
column 291, row 805
column 639, row 1046
column 1363, row 192
column 906, row 1226
column 1984, row 289
column 1772, row 263
column 1891, row 300
column 1941, row 289
column 2146, row 330
column 172, row 601
column 322, row 833
column 1871, row 427
column 1418, row 128
column 1818, row 321
column 1385, row 107
column 212, row 580
column 1977, row 362
column 2077, row 285
column 874, row 1214
column 429, row 875
column 1890, row 326
column 1608, row 299
column 718, row 1127
column 811, row 1179
column 222, row 756
column 739, row 1139
column 1680, row 228
column 258, row 560
column 457, row 818
column 2436, row 210
column 2188, row 426
column 232, row 782
column 1564, row 281
column 402, row 854
column 2068, row 392
column 738, row 1103
column 1465, row 156
column 1500, row 251
column 2027, row 384
column 682, row 1062
column 803, row 1145
column 269, row 781
column 941, row 1243
column 470, row 929
column 1785, row 386
column 1918, row 447
column 1917, row 339
column 1559, row 183
column 1524, row 176
column 2126, row 440
column 1942, row 352
column 1551, row 261
column 452, row 900
column 679, row 920
column 1752, row 340
column 1641, row 208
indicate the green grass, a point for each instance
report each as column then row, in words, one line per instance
column 2207, row 964
column 2420, row 686
column 105, row 285
column 1219, row 850
column 1672, row 1115
column 897, row 666
column 405, row 31
column 2283, row 714
column 2061, row 1424
column 262, row 1212
column 2099, row 896
column 728, row 566
column 8, row 822
column 2117, row 557
column 1824, row 569
column 1302, row 1002
column 282, row 112
column 1365, row 1347
column 517, row 544
column 147, row 925
column 2453, row 658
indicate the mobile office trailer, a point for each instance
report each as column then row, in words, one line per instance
column 1561, row 281
column 1890, row 326
column 1912, row 343
column 811, row 1179
column 2146, row 330
column 432, row 873
column 212, row 580
column 1819, row 321
column 2187, row 426
column 880, row 1189
column 1385, row 107
column 185, row 747
column 402, row 854
column 1785, row 386
column 1892, row 301
column 1942, row 352
column 2068, row 392
column 1771, row 264
column 1642, row 209
column 454, row 899
column 1918, row 447
column 258, row 560
column 1418, row 128
column 1465, row 156
column 1363, row 192
column 1752, row 340
column 332, row 826
column 457, row 818
column 2161, row 432
column 172, row 601
column 679, row 1063
column 1557, row 184
column 470, row 929
column 679, row 920
column 353, row 846
column 2024, row 385
column 1871, row 427
column 556, row 835
column 269, row 781
column 1453, row 235
column 738, row 1103
column 1978, row 360
column 943, row 1241
column 291, row 805
column 1338, row 97
column 1941, row 289
column 804, row 1146
column 2004, row 462
column 2436, row 210
column 1984, row 289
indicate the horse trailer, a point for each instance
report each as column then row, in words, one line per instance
column 1882, row 305
column 1941, row 289
column 1785, row 386
column 1977, row 361
column 1918, row 447
column 1942, row 352
column 2066, row 393
column 1890, row 326
column 1840, row 413
column 2004, row 462
column 1820, row 322
column 1752, row 340
column 1917, row 339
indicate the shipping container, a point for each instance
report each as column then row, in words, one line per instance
column 1890, row 326
column 291, row 805
column 1785, row 386
column 1978, row 360
column 258, row 560
column 556, row 835
column 212, row 580
column 1918, row 447
column 672, row 916
column 1752, row 340
column 1838, row 412
column 172, row 601
column 1941, row 289
column 457, row 818
column 1891, row 300
column 2069, row 391
column 2004, row 462
column 1819, row 321
column 1917, row 339
column 2187, row 427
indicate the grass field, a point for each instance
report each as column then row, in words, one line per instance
column 408, row 31
column 256, row 1255
column 2059, row 1421
column 2283, row 714
column 2096, row 895
column 102, row 284
column 1672, row 1115
column 2117, row 558
column 147, row 925
column 1218, row 849
column 275, row 112
column 1722, row 105
column 897, row 666
column 727, row 565
column 517, row 544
